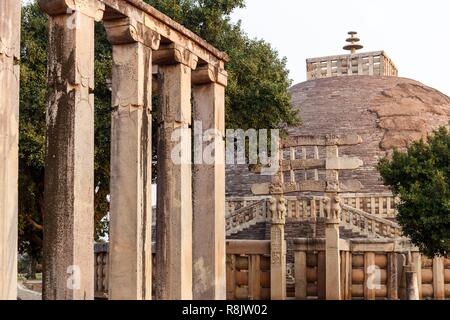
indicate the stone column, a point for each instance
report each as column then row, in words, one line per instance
column 332, row 252
column 130, row 250
column 278, row 248
column 438, row 278
column 69, row 163
column 209, row 270
column 412, row 289
column 9, row 143
column 333, row 209
column 174, row 203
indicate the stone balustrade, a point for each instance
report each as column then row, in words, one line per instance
column 368, row 224
column 371, row 223
column 369, row 63
column 369, row 269
column 378, row 204
column 248, row 270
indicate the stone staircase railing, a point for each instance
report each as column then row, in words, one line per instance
column 252, row 210
column 368, row 224
column 247, row 216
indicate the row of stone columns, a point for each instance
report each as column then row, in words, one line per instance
column 9, row 143
column 190, row 250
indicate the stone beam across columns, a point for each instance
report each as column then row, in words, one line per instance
column 209, row 266
column 170, row 30
column 174, row 201
column 130, row 251
column 69, row 179
column 9, row 144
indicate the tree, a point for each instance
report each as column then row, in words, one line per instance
column 257, row 97
column 421, row 178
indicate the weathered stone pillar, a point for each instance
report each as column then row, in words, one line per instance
column 130, row 250
column 277, row 247
column 9, row 143
column 333, row 209
column 69, row 163
column 174, row 203
column 332, row 252
column 438, row 278
column 393, row 279
column 412, row 289
column 209, row 269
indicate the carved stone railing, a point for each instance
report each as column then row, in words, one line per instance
column 378, row 204
column 247, row 216
column 369, row 215
column 235, row 203
column 379, row 262
column 369, row 224
column 370, row 63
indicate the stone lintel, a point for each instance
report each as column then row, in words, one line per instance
column 166, row 27
column 173, row 54
column 91, row 8
column 326, row 140
column 127, row 30
column 307, row 186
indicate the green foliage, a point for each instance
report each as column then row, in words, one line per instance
column 257, row 97
column 257, row 94
column 421, row 178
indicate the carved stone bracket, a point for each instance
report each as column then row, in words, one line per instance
column 91, row 8
column 208, row 73
column 173, row 54
column 127, row 30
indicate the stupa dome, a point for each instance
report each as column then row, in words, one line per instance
column 387, row 112
column 358, row 93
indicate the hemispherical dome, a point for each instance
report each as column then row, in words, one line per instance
column 387, row 112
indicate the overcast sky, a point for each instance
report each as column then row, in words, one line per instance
column 414, row 33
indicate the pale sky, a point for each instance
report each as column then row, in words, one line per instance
column 414, row 33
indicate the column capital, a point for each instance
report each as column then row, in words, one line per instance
column 278, row 210
column 173, row 54
column 333, row 209
column 209, row 73
column 127, row 30
column 91, row 8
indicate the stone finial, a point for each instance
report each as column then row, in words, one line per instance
column 353, row 40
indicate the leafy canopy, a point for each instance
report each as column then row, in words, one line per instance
column 421, row 178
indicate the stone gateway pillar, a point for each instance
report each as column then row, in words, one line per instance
column 9, row 143
column 174, row 202
column 209, row 184
column 278, row 248
column 130, row 263
column 69, row 175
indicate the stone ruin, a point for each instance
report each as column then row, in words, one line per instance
column 146, row 44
